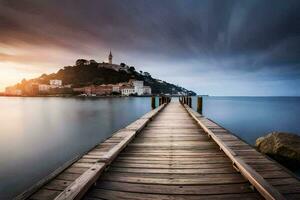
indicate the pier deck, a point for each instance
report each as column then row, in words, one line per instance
column 172, row 154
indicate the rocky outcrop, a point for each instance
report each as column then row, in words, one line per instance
column 283, row 147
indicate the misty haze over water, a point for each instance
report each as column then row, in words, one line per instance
column 40, row 134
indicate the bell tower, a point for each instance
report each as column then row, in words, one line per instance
column 110, row 57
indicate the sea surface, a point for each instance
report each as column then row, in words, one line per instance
column 37, row 135
column 252, row 117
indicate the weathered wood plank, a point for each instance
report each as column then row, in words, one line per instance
column 57, row 185
column 45, row 194
column 176, row 189
column 78, row 188
column 111, row 194
column 76, row 179
column 171, row 179
column 172, row 166
column 265, row 189
column 173, row 158
column 174, row 170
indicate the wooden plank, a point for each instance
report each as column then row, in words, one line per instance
column 79, row 175
column 113, row 152
column 57, row 184
column 219, row 158
column 288, row 189
column 77, row 189
column 174, row 162
column 176, row 189
column 174, row 179
column 116, row 195
column 174, row 171
column 173, row 158
column 67, row 176
column 137, row 125
column 45, row 194
column 76, row 170
column 172, row 166
column 173, row 154
column 264, row 188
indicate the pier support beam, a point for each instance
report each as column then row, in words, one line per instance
column 199, row 105
column 160, row 100
column 189, row 101
column 153, row 102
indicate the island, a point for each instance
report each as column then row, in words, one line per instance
column 90, row 78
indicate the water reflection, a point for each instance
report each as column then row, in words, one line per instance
column 40, row 134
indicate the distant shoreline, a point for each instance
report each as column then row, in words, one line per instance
column 92, row 97
column 73, row 96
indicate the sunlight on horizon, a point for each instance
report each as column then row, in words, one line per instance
column 12, row 73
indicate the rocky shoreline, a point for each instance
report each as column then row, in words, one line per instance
column 282, row 147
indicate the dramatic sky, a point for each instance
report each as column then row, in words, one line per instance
column 243, row 47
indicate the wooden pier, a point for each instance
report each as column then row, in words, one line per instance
column 171, row 152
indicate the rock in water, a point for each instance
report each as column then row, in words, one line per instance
column 283, row 147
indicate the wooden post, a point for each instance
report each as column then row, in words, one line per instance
column 160, row 100
column 199, row 105
column 189, row 102
column 153, row 102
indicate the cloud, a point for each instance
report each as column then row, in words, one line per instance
column 229, row 36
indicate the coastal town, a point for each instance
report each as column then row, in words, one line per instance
column 56, row 87
column 89, row 78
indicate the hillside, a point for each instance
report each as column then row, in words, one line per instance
column 86, row 73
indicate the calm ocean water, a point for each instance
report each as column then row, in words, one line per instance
column 40, row 134
column 37, row 135
column 252, row 117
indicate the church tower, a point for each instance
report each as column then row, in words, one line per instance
column 110, row 57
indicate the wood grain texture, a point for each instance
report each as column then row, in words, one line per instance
column 173, row 158
column 256, row 168
column 177, row 154
column 77, row 176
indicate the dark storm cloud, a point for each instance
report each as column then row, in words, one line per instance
column 185, row 28
column 247, row 36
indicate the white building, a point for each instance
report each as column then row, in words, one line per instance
column 127, row 91
column 138, row 87
column 44, row 87
column 56, row 82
